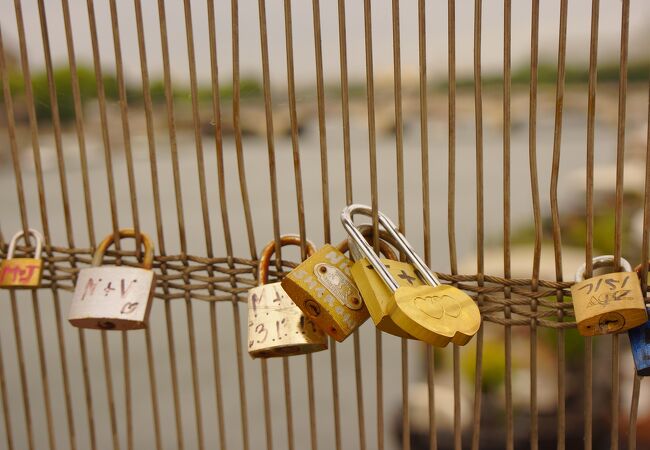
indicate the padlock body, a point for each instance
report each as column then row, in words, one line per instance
column 21, row 273
column 640, row 344
column 609, row 303
column 377, row 297
column 112, row 298
column 436, row 315
column 321, row 286
column 277, row 327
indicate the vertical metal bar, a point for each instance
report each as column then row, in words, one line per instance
column 557, row 235
column 480, row 233
column 241, row 168
column 618, row 222
column 90, row 226
column 507, row 84
column 299, row 196
column 451, row 198
column 216, row 111
column 23, row 372
column 532, row 155
column 287, row 402
column 345, row 110
column 109, row 391
column 589, row 242
column 426, row 212
column 196, row 120
column 322, row 135
column 244, row 193
column 9, row 434
column 101, row 97
column 127, row 389
column 156, row 204
column 268, row 425
column 320, row 92
column 268, row 109
column 169, row 100
column 79, row 126
column 399, row 168
column 634, row 411
column 126, row 134
column 372, row 149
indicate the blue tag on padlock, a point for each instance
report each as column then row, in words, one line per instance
column 640, row 342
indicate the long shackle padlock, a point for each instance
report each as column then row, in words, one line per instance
column 114, row 297
column 22, row 273
column 276, row 326
column 609, row 303
column 433, row 313
column 376, row 295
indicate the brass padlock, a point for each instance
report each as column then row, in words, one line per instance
column 609, row 303
column 22, row 273
column 433, row 313
column 322, row 288
column 376, row 295
column 276, row 326
column 114, row 297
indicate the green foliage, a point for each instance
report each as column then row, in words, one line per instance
column 638, row 71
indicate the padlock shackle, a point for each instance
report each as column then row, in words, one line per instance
column 269, row 250
column 147, row 262
column 402, row 245
column 385, row 242
column 38, row 237
column 601, row 261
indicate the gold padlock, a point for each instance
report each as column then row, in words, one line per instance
column 433, row 313
column 22, row 273
column 114, row 297
column 376, row 295
column 609, row 303
column 322, row 288
column 276, row 326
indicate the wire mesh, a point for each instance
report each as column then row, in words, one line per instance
column 162, row 143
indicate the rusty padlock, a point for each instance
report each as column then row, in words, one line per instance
column 276, row 326
column 609, row 303
column 433, row 313
column 640, row 343
column 114, row 297
column 22, row 273
column 321, row 286
column 376, row 295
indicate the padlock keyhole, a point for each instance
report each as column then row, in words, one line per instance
column 106, row 325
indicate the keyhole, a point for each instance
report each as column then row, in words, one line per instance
column 106, row 325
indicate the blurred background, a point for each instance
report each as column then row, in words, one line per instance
column 571, row 182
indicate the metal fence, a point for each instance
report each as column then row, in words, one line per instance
column 211, row 197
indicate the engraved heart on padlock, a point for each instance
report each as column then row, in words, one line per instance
column 128, row 308
column 437, row 314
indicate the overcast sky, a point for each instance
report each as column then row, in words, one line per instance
column 578, row 35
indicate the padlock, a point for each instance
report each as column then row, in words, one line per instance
column 22, row 273
column 114, row 297
column 609, row 303
column 376, row 295
column 276, row 326
column 433, row 313
column 323, row 289
column 640, row 343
